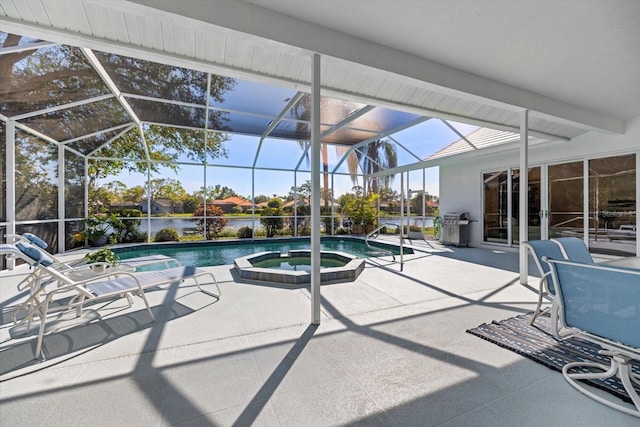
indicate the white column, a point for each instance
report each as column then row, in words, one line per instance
column 585, row 202
column 523, row 223
column 61, row 209
column 86, row 191
column 10, row 167
column 315, row 190
column 333, row 231
column 253, row 203
column 424, row 191
column 295, row 203
column 149, row 204
column 402, row 220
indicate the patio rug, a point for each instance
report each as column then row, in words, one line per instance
column 537, row 344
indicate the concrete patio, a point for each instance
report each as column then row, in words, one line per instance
column 391, row 350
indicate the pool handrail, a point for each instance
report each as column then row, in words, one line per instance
column 377, row 232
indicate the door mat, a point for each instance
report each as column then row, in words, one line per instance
column 538, row 344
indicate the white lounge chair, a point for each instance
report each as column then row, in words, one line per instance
column 109, row 285
column 34, row 247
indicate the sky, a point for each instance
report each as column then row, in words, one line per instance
column 417, row 142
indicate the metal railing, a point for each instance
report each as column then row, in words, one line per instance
column 377, row 232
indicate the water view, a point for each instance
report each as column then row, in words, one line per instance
column 186, row 226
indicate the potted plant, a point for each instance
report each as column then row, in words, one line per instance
column 102, row 257
column 95, row 230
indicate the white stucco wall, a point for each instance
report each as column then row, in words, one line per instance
column 461, row 176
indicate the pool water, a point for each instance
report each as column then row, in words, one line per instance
column 209, row 254
column 299, row 263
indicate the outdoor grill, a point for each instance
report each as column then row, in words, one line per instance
column 455, row 229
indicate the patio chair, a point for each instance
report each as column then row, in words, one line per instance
column 109, row 285
column 11, row 251
column 131, row 262
column 574, row 249
column 35, row 249
column 601, row 305
column 539, row 249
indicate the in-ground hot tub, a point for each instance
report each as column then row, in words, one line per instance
column 294, row 268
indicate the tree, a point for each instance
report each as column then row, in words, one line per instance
column 345, row 199
column 217, row 192
column 259, row 199
column 134, row 194
column 37, row 79
column 302, row 111
column 190, row 203
column 362, row 210
column 36, row 190
column 166, row 188
column 272, row 217
column 376, row 157
column 117, row 189
column 303, row 192
column 154, row 186
column 416, row 203
column 216, row 222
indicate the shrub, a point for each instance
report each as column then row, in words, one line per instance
column 415, row 228
column 272, row 217
column 216, row 222
column 236, row 210
column 167, row 235
column 244, row 233
column 228, row 233
column 126, row 226
column 327, row 224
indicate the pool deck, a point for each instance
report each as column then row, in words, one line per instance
column 391, row 350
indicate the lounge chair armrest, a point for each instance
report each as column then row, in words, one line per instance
column 16, row 237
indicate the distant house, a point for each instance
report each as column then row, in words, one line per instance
column 230, row 202
column 161, row 206
column 305, row 202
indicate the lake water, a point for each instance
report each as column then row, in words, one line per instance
column 187, row 226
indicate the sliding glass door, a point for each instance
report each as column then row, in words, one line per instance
column 612, row 205
column 596, row 197
column 533, row 203
column 496, row 211
column 566, row 199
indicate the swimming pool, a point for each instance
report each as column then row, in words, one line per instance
column 202, row 254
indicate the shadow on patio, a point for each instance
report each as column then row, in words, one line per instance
column 391, row 350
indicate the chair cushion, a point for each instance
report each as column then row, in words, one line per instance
column 36, row 240
column 34, row 253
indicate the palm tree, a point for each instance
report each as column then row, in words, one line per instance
column 376, row 156
column 302, row 111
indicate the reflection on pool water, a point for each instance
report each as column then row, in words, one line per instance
column 299, row 263
column 202, row 254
